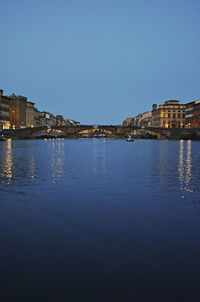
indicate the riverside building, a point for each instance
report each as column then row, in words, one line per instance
column 30, row 114
column 169, row 115
column 189, row 115
column 196, row 115
column 4, row 111
column 17, row 111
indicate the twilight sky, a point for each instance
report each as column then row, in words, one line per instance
column 100, row 61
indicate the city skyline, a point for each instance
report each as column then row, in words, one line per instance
column 100, row 62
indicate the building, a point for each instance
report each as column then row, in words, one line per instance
column 196, row 115
column 128, row 121
column 36, row 118
column 17, row 111
column 30, row 114
column 50, row 119
column 59, row 120
column 68, row 122
column 189, row 114
column 42, row 121
column 46, row 119
column 144, row 119
column 169, row 115
column 4, row 111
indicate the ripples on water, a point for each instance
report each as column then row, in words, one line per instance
column 99, row 219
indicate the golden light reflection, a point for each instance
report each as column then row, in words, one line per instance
column 8, row 161
column 181, row 164
column 188, row 175
column 185, row 167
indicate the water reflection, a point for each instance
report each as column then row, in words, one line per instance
column 8, row 164
column 164, row 158
column 99, row 156
column 57, row 159
column 94, row 157
column 32, row 167
column 185, row 167
column 181, row 164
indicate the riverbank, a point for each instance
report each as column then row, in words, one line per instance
column 115, row 132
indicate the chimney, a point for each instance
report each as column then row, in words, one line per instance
column 154, row 107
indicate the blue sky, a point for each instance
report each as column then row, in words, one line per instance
column 100, row 61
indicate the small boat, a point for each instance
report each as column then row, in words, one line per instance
column 130, row 139
column 2, row 138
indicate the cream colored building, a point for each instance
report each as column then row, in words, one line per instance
column 30, row 112
column 169, row 115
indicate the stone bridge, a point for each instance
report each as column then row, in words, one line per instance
column 114, row 131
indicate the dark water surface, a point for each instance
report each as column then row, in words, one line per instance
column 99, row 220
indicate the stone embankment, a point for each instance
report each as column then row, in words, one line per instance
column 119, row 132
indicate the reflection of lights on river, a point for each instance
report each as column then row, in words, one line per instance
column 188, row 167
column 185, row 167
column 8, row 161
column 57, row 159
column 32, row 167
column 181, row 165
column 94, row 157
column 104, row 156
column 99, row 156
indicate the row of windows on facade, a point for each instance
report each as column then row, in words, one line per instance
column 5, row 109
column 173, row 115
column 172, row 125
column 196, row 117
column 196, row 108
column 166, row 110
column 4, row 118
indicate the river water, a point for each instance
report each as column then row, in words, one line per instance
column 99, row 220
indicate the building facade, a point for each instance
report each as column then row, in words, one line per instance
column 144, row 119
column 30, row 114
column 128, row 121
column 17, row 111
column 46, row 119
column 36, row 118
column 169, row 115
column 196, row 115
column 59, row 120
column 4, row 111
column 68, row 122
column 189, row 115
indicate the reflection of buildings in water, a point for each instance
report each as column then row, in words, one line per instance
column 185, row 166
column 94, row 157
column 104, row 157
column 57, row 159
column 188, row 175
column 7, row 171
column 32, row 167
column 16, row 169
column 164, row 158
column 181, row 164
column 99, row 155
